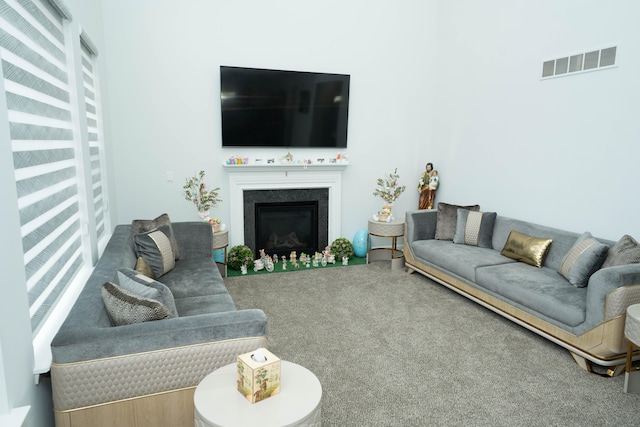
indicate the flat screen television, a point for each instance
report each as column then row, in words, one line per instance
column 276, row 108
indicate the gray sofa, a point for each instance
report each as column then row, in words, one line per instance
column 146, row 373
column 588, row 321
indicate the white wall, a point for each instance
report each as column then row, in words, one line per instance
column 560, row 152
column 164, row 90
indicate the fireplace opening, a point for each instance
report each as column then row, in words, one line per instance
column 283, row 227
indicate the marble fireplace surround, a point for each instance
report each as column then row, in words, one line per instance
column 281, row 177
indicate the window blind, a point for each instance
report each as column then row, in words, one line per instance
column 34, row 68
column 89, row 53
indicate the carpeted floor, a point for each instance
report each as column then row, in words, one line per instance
column 393, row 349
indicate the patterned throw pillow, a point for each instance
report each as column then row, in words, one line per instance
column 528, row 249
column 447, row 218
column 125, row 307
column 625, row 251
column 155, row 247
column 146, row 287
column 475, row 228
column 144, row 225
column 583, row 259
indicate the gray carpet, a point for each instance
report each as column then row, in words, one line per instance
column 393, row 349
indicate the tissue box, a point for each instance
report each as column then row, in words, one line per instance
column 258, row 380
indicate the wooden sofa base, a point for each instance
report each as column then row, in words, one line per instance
column 170, row 409
column 603, row 345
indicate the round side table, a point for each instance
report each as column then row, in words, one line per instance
column 221, row 241
column 219, row 403
column 632, row 333
column 392, row 229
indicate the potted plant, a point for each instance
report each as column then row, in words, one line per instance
column 240, row 255
column 342, row 248
column 389, row 190
column 195, row 191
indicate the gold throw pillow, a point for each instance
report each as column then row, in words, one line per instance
column 532, row 250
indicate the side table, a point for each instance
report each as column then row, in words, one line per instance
column 632, row 333
column 218, row 402
column 221, row 241
column 392, row 229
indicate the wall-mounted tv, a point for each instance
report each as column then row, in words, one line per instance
column 276, row 108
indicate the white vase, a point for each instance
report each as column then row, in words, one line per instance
column 204, row 215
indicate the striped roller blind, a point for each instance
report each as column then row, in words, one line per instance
column 89, row 53
column 34, row 68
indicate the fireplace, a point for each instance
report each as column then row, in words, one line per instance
column 285, row 227
column 281, row 221
column 246, row 180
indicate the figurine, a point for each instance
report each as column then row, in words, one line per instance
column 427, row 187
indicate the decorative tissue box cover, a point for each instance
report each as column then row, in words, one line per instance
column 258, row 380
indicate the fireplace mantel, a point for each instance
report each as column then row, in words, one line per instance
column 282, row 177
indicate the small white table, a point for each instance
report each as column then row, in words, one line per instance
column 219, row 403
column 632, row 333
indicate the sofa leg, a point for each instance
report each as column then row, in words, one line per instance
column 614, row 371
column 582, row 362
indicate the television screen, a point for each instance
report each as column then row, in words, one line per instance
column 275, row 108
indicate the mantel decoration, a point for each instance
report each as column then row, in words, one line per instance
column 389, row 190
column 195, row 191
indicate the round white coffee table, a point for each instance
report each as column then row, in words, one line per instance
column 219, row 403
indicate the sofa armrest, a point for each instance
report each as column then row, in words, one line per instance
column 604, row 288
column 421, row 225
column 80, row 344
column 195, row 239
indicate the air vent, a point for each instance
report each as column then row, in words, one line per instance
column 588, row 61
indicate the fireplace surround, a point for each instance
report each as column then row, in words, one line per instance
column 243, row 178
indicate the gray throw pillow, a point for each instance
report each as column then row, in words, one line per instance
column 583, row 259
column 125, row 307
column 474, row 228
column 447, row 219
column 146, row 287
column 144, row 225
column 625, row 251
column 155, row 247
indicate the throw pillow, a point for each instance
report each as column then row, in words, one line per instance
column 125, row 307
column 146, row 287
column 625, row 251
column 583, row 259
column 154, row 246
column 528, row 249
column 474, row 228
column 144, row 225
column 447, row 218
column 143, row 267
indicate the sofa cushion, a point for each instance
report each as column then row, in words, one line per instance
column 461, row 260
column 585, row 257
column 143, row 267
column 625, row 251
column 125, row 307
column 144, row 225
column 146, row 287
column 541, row 291
column 528, row 249
column 155, row 247
column 474, row 228
column 447, row 219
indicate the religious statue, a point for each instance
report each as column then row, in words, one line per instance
column 427, row 186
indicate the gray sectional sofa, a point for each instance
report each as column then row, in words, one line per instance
column 146, row 373
column 587, row 317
